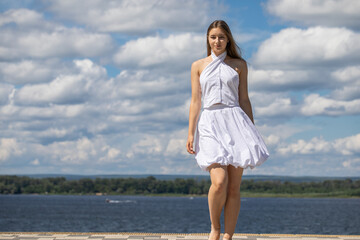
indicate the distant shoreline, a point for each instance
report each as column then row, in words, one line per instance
column 150, row 186
column 197, row 177
column 243, row 195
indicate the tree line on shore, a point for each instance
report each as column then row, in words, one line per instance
column 11, row 184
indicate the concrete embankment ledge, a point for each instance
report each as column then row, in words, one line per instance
column 160, row 236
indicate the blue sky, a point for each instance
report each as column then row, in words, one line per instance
column 103, row 87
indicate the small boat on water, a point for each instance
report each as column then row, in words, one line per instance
column 112, row 201
column 117, row 201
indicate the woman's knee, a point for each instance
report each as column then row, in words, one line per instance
column 233, row 190
column 219, row 178
column 219, row 186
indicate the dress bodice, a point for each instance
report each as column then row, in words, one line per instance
column 219, row 83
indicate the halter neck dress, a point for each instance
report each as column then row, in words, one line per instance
column 224, row 133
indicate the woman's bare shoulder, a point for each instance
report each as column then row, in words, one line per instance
column 200, row 64
column 237, row 64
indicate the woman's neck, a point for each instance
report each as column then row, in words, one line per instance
column 217, row 53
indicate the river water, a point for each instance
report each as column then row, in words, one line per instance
column 60, row 213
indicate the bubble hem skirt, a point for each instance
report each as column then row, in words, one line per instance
column 226, row 135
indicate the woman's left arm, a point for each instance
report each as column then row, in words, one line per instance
column 244, row 100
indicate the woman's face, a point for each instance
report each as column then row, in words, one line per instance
column 217, row 40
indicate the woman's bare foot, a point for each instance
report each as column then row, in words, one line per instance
column 214, row 234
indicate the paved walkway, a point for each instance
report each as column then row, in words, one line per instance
column 160, row 236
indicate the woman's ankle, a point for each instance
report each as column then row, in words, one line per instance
column 227, row 236
column 217, row 228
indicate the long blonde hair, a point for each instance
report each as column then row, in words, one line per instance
column 233, row 50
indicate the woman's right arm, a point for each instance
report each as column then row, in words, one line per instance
column 195, row 105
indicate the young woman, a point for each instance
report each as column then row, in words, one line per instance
column 222, row 136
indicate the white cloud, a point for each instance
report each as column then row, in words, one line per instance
column 352, row 164
column 74, row 152
column 343, row 146
column 348, row 74
column 177, row 143
column 315, row 145
column 36, row 162
column 31, row 71
column 276, row 80
column 64, row 89
column 145, row 83
column 347, row 92
column 277, row 133
column 111, row 155
column 348, row 145
column 349, row 83
column 136, row 17
column 77, row 152
column 314, row 104
column 171, row 53
column 332, row 13
column 42, row 39
column 71, row 116
column 22, row 17
column 5, row 92
column 9, row 147
column 312, row 59
column 58, row 43
column 294, row 48
column 46, row 113
column 274, row 105
column 148, row 144
column 87, row 101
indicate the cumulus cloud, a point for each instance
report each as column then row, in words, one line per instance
column 36, row 162
column 277, row 133
column 278, row 107
column 22, row 17
column 272, row 107
column 348, row 145
column 313, row 59
column 67, row 113
column 348, row 74
column 54, row 41
column 314, row 104
column 343, row 146
column 166, row 152
column 58, row 43
column 83, row 150
column 146, row 145
column 333, row 13
column 136, row 17
column 352, row 164
column 34, row 113
column 5, row 93
column 86, row 102
column 144, row 83
column 349, row 83
column 315, row 145
column 64, row 89
column 170, row 53
column 31, row 71
column 279, row 80
column 8, row 148
column 295, row 48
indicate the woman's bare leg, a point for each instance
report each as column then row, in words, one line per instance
column 217, row 197
column 232, row 204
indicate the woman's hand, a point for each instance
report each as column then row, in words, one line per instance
column 189, row 145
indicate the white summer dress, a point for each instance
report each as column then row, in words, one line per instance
column 224, row 133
